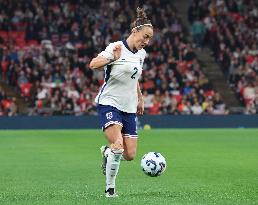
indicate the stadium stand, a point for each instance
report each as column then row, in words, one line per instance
column 46, row 47
column 231, row 32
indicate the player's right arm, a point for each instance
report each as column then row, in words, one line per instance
column 99, row 62
column 111, row 54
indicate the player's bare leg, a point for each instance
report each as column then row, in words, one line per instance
column 130, row 147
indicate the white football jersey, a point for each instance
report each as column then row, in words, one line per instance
column 121, row 77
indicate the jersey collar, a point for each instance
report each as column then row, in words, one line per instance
column 126, row 45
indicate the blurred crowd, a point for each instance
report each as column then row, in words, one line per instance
column 46, row 46
column 8, row 106
column 230, row 28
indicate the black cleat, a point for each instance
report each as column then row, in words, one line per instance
column 111, row 193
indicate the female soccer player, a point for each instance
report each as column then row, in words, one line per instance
column 120, row 98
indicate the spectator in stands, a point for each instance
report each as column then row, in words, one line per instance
column 7, row 106
column 198, row 32
column 148, row 101
column 13, row 109
column 196, row 108
column 249, row 93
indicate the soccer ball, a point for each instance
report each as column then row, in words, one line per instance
column 153, row 164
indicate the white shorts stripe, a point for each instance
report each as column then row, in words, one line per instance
column 113, row 122
column 130, row 136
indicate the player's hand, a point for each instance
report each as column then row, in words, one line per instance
column 140, row 107
column 117, row 52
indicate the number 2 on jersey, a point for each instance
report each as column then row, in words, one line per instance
column 133, row 75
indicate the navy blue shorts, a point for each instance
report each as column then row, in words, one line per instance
column 109, row 115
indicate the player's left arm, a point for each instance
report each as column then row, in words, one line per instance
column 140, row 106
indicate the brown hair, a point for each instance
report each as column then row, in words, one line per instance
column 141, row 19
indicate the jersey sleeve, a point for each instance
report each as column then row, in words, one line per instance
column 108, row 52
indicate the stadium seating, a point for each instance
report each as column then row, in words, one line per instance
column 47, row 58
column 232, row 35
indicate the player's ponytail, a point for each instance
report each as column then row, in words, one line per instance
column 141, row 19
column 141, row 14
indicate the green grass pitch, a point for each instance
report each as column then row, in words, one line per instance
column 205, row 166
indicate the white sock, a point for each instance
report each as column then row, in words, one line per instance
column 113, row 162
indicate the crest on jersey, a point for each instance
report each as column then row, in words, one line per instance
column 140, row 61
column 109, row 115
